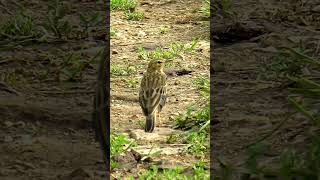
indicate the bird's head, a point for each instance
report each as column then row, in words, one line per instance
column 156, row 65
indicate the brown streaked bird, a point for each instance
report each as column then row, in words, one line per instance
column 152, row 95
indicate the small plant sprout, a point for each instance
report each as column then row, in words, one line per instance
column 55, row 21
column 90, row 20
column 124, row 5
column 134, row 16
column 18, row 26
column 118, row 70
column 163, row 30
column 119, row 144
column 131, row 83
column 113, row 32
column 205, row 9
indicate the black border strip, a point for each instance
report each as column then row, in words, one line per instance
column 107, row 86
column 212, row 92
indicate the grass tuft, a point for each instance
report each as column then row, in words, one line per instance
column 118, row 70
column 174, row 50
column 134, row 16
column 125, row 5
column 56, row 22
column 88, row 21
column 17, row 26
column 198, row 171
column 119, row 144
column 205, row 9
column 163, row 30
column 113, row 32
column 203, row 85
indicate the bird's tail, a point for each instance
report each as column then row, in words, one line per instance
column 150, row 121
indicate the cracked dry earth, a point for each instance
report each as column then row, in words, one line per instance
column 247, row 106
column 182, row 26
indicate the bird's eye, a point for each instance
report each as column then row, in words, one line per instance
column 159, row 62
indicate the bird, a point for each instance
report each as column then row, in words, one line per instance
column 152, row 93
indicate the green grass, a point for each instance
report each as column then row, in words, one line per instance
column 198, row 143
column 142, row 54
column 203, row 85
column 118, row 70
column 199, row 171
column 134, row 16
column 131, row 83
column 191, row 47
column 172, row 51
column 196, row 118
column 205, row 9
column 18, row 26
column 200, row 168
column 124, row 5
column 90, row 20
column 287, row 62
column 19, row 29
column 193, row 118
column 151, row 154
column 195, row 121
column 23, row 27
column 72, row 67
column 142, row 123
column 153, row 173
column 113, row 32
column 118, row 145
column 56, row 22
column 163, row 30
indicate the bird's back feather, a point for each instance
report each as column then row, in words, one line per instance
column 152, row 92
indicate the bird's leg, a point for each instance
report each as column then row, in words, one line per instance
column 159, row 118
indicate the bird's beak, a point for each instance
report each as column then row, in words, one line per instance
column 170, row 60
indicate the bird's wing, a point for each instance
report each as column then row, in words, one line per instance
column 163, row 100
column 163, row 96
column 141, row 94
column 151, row 91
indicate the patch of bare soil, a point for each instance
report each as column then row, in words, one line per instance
column 245, row 105
column 182, row 25
column 46, row 131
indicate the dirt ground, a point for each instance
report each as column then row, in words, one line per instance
column 246, row 106
column 45, row 122
column 182, row 25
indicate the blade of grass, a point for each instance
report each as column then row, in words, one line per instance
column 271, row 132
column 304, row 57
column 301, row 109
column 311, row 93
column 305, row 82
